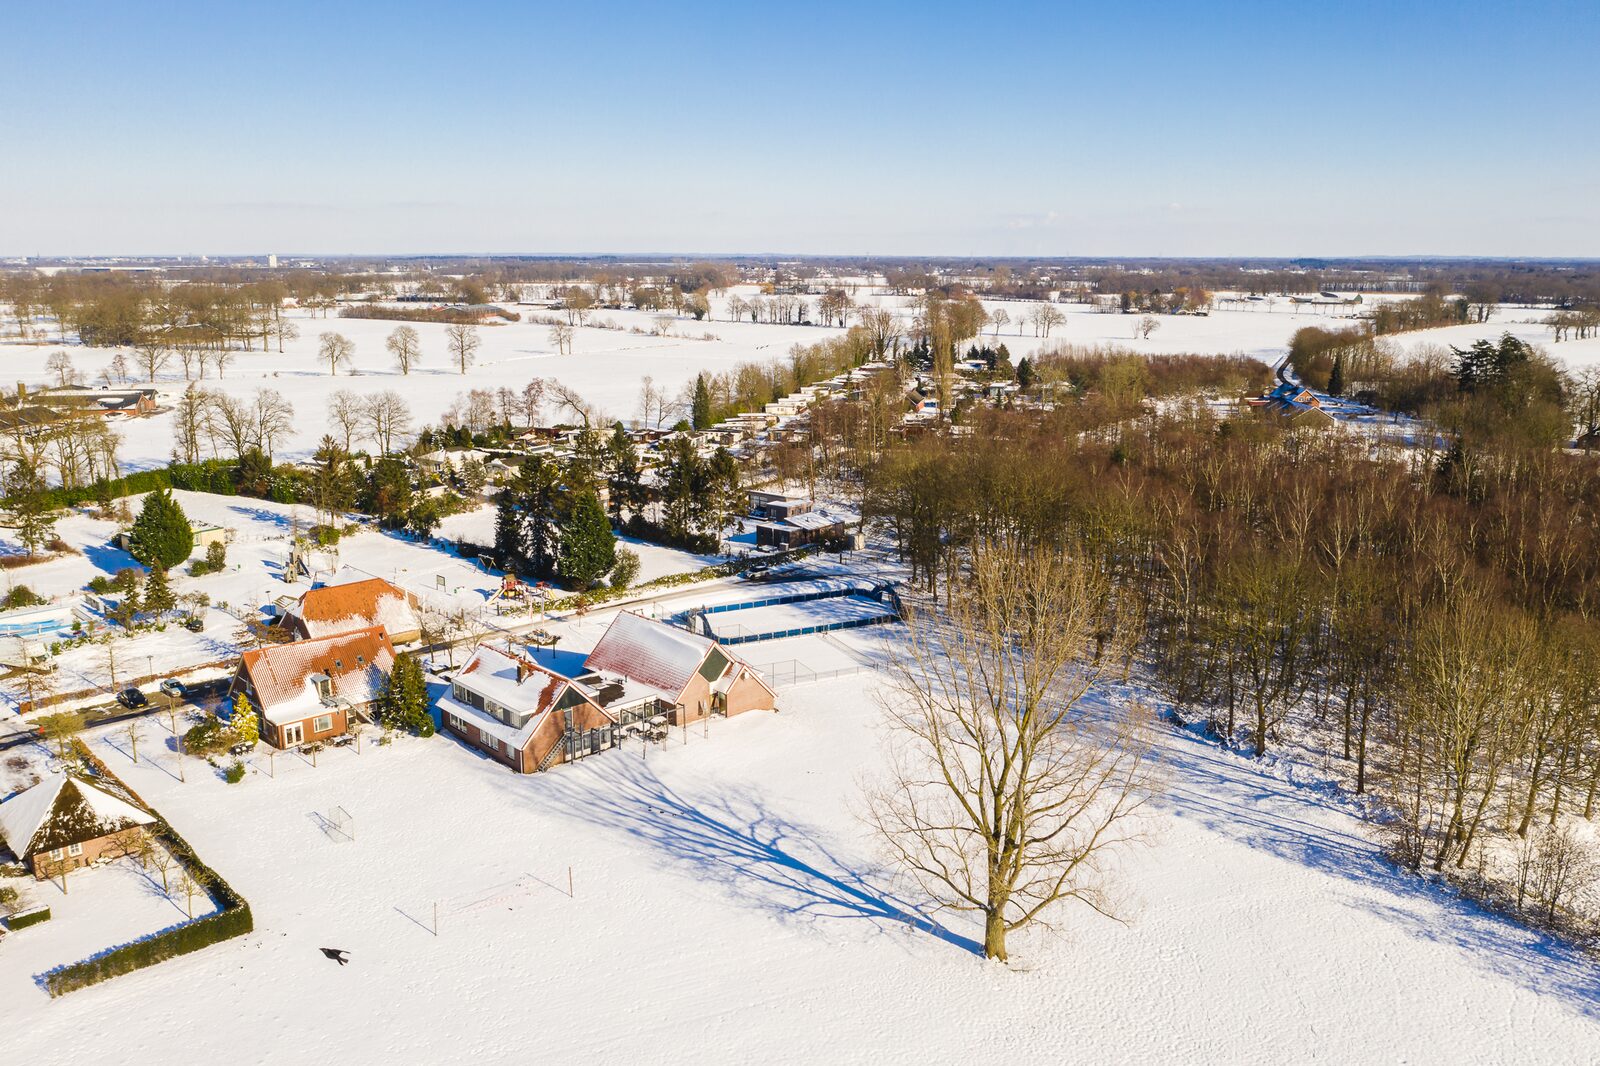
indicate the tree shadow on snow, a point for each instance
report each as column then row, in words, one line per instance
column 732, row 838
column 1229, row 796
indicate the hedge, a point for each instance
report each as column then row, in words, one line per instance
column 23, row 919
column 231, row 920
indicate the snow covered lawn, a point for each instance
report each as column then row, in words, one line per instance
column 102, row 907
column 728, row 906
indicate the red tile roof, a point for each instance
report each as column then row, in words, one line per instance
column 661, row 656
column 338, row 608
column 356, row 661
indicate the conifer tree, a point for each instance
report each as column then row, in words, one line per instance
column 161, row 534
column 1336, row 377
column 588, row 548
column 404, row 703
column 158, row 597
column 700, row 410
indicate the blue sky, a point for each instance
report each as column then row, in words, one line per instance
column 918, row 129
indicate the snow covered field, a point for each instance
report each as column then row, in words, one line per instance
column 729, row 906
column 605, row 366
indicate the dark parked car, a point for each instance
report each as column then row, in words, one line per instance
column 132, row 698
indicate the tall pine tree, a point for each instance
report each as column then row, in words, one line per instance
column 588, row 548
column 158, row 597
column 700, row 410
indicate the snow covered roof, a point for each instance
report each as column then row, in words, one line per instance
column 332, row 609
column 64, row 810
column 662, row 656
column 511, row 680
column 357, row 663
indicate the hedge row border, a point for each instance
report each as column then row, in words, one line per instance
column 233, row 917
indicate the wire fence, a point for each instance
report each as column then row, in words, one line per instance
column 795, row 672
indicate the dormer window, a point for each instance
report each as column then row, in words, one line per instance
column 324, row 685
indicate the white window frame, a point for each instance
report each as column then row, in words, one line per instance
column 74, row 850
column 294, row 733
column 318, row 727
column 56, row 854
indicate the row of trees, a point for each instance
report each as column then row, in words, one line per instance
column 1430, row 619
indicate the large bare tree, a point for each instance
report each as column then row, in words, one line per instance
column 463, row 342
column 336, row 350
column 1007, row 787
column 406, row 346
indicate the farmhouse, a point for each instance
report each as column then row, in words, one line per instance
column 331, row 609
column 687, row 675
column 101, row 401
column 308, row 690
column 68, row 822
column 522, row 714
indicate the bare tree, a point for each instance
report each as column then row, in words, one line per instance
column 1007, row 793
column 192, row 417
column 1046, row 317
column 999, row 318
column 273, row 418
column 151, row 358
column 406, row 347
column 283, row 330
column 336, row 350
column 463, row 342
column 568, row 401
column 60, row 364
column 654, row 405
column 387, row 417
column 561, row 337
column 531, row 402
column 234, row 420
column 1146, row 326
column 347, row 413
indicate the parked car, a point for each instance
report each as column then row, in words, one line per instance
column 132, row 699
column 174, row 688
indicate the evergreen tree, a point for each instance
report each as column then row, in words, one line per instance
column 245, row 723
column 423, row 518
column 158, row 597
column 1336, row 376
column 725, row 498
column 528, row 518
column 625, row 483
column 387, row 493
column 28, row 500
column 700, row 410
column 508, row 530
column 161, row 534
column 1025, row 374
column 681, row 478
column 404, row 703
column 588, row 548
